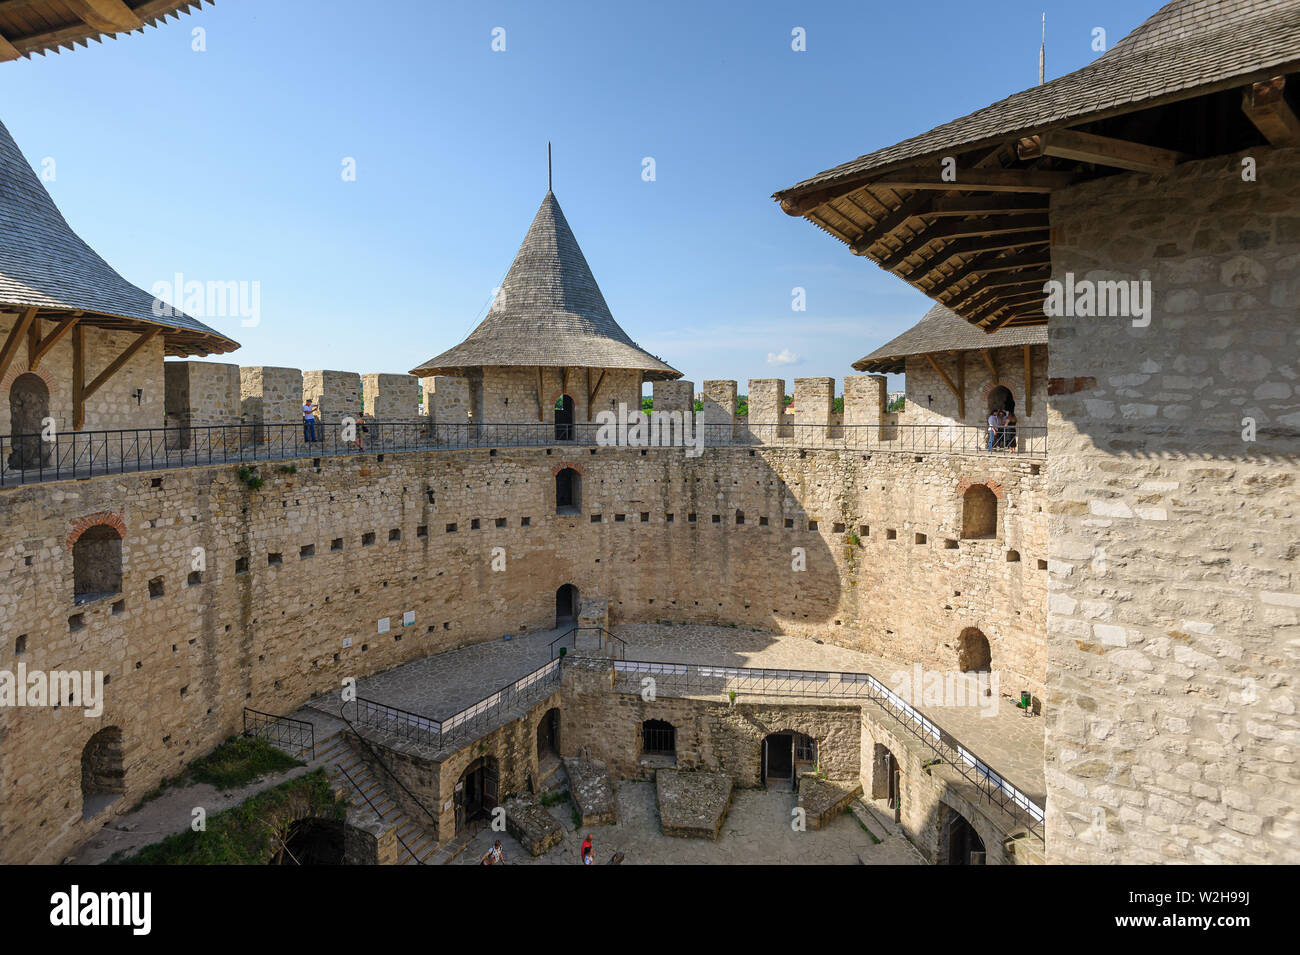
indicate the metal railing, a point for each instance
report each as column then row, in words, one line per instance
column 362, row 793
column 687, row 678
column 407, row 725
column 282, row 731
column 31, row 458
column 608, row 644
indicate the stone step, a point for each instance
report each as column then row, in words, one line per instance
column 872, row 818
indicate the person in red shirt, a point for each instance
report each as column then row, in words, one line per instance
column 588, row 856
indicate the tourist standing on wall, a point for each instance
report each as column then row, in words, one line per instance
column 993, row 429
column 308, row 421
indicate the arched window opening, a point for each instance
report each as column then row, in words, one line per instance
column 979, row 513
column 103, row 771
column 568, row 491
column 566, row 605
column 97, row 563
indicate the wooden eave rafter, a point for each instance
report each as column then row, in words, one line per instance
column 1265, row 105
column 80, row 389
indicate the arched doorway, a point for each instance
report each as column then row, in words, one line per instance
column 566, row 605
column 564, row 418
column 973, row 653
column 1001, row 399
column 103, row 771
column 311, row 842
column 548, row 736
column 785, row 755
column 568, row 491
column 959, row 843
column 475, row 795
column 29, row 406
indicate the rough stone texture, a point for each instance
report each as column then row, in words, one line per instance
column 338, row 393
column 531, row 824
column 201, row 394
column 270, row 396
column 591, row 790
column 390, row 397
column 718, row 411
column 676, row 395
column 813, row 399
column 823, row 799
column 692, row 805
column 270, row 635
column 865, row 400
column 593, row 613
column 1175, row 603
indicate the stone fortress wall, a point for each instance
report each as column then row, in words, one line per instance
column 317, row 557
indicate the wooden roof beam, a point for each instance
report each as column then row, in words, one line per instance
column 15, row 338
column 988, row 264
column 107, row 16
column 1102, row 151
column 7, row 50
column 1265, row 105
column 980, row 313
column 963, row 230
column 975, row 246
column 979, row 180
column 44, row 345
column 985, row 205
column 117, row 363
column 960, row 393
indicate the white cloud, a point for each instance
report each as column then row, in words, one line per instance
column 783, row 357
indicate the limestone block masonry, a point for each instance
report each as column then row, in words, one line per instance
column 299, row 575
column 1175, row 600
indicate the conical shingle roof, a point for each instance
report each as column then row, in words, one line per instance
column 45, row 265
column 549, row 312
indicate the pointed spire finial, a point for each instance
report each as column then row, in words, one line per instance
column 548, row 165
column 1042, row 54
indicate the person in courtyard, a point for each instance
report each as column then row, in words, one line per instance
column 588, row 852
column 1009, row 431
column 493, row 856
column 308, row 421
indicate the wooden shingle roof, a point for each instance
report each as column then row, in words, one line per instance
column 943, row 331
column 549, row 312
column 1199, row 78
column 47, row 26
column 47, row 267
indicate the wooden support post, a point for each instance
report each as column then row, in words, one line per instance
column 78, row 377
column 15, row 339
column 117, row 363
column 961, row 386
column 988, row 360
column 1029, row 383
column 592, row 392
column 961, row 401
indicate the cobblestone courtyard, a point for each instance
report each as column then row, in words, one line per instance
column 756, row 832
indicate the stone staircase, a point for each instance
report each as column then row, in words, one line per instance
column 874, row 819
column 424, row 849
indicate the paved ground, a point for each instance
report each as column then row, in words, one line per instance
column 442, row 685
column 756, row 832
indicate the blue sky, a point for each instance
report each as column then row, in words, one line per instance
column 225, row 165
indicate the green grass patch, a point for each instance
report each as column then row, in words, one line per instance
column 238, row 761
column 555, row 798
column 250, row 833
